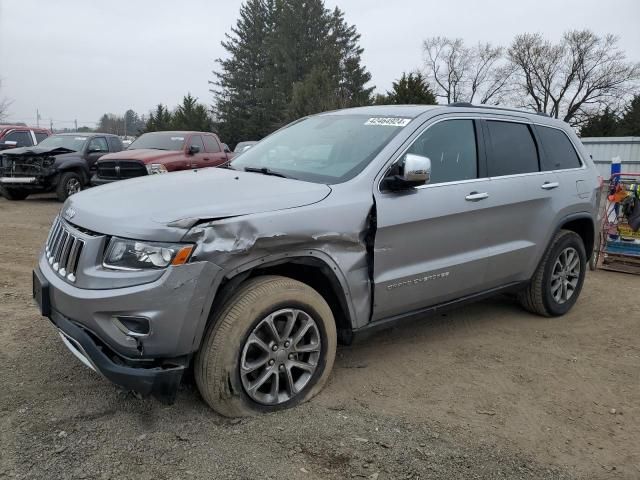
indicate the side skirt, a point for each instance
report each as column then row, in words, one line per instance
column 362, row 333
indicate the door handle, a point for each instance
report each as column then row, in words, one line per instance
column 550, row 185
column 206, row 159
column 475, row 196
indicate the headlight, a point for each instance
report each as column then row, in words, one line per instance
column 154, row 168
column 124, row 254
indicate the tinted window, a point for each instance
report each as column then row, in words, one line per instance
column 159, row 141
column 197, row 141
column 99, row 144
column 558, row 149
column 212, row 145
column 451, row 146
column 40, row 136
column 511, row 149
column 23, row 139
column 115, row 144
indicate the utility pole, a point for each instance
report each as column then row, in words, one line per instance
column 76, row 124
column 125, row 125
column 51, row 124
column 37, row 118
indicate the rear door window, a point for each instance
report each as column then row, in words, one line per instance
column 22, row 139
column 212, row 145
column 451, row 147
column 559, row 151
column 511, row 149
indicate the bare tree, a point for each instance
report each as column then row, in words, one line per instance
column 4, row 104
column 466, row 74
column 581, row 74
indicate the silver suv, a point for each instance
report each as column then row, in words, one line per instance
column 335, row 226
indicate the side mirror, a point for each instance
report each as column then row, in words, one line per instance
column 415, row 172
column 193, row 149
column 226, row 148
column 8, row 144
column 94, row 150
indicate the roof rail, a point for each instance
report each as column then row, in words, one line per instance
column 494, row 107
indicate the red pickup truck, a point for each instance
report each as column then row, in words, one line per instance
column 162, row 152
column 16, row 136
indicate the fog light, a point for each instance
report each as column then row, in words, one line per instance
column 133, row 326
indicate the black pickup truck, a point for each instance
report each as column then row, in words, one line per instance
column 61, row 163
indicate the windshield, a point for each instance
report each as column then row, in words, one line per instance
column 242, row 146
column 159, row 141
column 323, row 149
column 63, row 141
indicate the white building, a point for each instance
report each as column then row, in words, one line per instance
column 604, row 149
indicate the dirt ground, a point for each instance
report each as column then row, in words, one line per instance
column 487, row 391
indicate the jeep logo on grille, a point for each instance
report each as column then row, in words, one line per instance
column 69, row 213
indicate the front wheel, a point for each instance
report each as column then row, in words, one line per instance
column 69, row 184
column 558, row 280
column 271, row 347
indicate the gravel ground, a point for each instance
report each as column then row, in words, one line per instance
column 487, row 391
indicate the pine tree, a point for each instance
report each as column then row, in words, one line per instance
column 243, row 87
column 411, row 89
column 630, row 122
column 287, row 58
column 160, row 119
column 605, row 124
column 191, row 115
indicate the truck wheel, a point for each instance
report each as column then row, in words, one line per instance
column 14, row 193
column 270, row 347
column 558, row 280
column 70, row 183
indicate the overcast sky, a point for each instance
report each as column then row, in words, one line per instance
column 79, row 59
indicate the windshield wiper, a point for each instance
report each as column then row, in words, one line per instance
column 266, row 171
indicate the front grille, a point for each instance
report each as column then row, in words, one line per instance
column 19, row 166
column 120, row 169
column 63, row 250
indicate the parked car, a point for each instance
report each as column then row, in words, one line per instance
column 242, row 146
column 61, row 163
column 162, row 152
column 14, row 136
column 333, row 227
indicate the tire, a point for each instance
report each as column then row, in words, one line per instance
column 539, row 296
column 14, row 194
column 70, row 183
column 228, row 344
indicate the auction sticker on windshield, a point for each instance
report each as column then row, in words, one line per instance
column 388, row 121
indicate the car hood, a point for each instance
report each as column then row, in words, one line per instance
column 33, row 151
column 164, row 207
column 142, row 154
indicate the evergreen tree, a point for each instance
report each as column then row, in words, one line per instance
column 605, row 124
column 411, row 89
column 629, row 125
column 245, row 89
column 191, row 115
column 160, row 119
column 286, row 58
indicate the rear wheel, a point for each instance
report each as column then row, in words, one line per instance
column 14, row 193
column 271, row 347
column 69, row 184
column 558, row 280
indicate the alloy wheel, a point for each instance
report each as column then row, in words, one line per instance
column 280, row 356
column 73, row 186
column 565, row 275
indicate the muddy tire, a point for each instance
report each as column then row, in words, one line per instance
column 270, row 347
column 14, row 194
column 69, row 184
column 558, row 280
